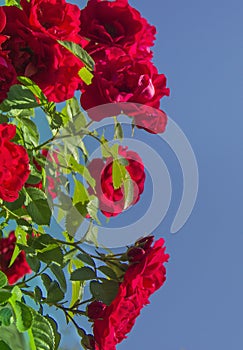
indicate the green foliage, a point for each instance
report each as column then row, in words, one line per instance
column 83, row 274
column 79, row 52
column 39, row 211
column 24, row 317
column 105, row 291
column 19, row 97
column 13, row 3
column 3, row 280
column 6, row 317
column 42, row 334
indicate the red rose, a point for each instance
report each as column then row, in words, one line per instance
column 55, row 18
column 20, row 266
column 119, row 78
column 112, row 200
column 37, row 56
column 14, row 164
column 140, row 281
column 118, row 24
column 8, row 76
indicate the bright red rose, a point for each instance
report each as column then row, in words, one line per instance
column 20, row 266
column 55, row 18
column 140, row 281
column 8, row 76
column 37, row 56
column 112, row 201
column 119, row 78
column 118, row 24
column 14, row 164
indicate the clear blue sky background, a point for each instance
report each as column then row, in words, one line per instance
column 200, row 49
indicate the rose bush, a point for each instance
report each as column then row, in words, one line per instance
column 49, row 49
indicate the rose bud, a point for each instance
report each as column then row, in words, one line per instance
column 135, row 254
column 95, row 310
column 145, row 242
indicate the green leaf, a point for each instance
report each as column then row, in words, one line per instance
column 118, row 174
column 35, row 193
column 55, row 330
column 52, row 255
column 6, row 317
column 4, row 296
column 74, row 220
column 30, row 131
column 24, row 317
column 93, row 207
column 86, row 259
column 43, row 336
column 76, row 293
column 72, row 107
column 118, row 135
column 3, row 280
column 4, row 346
column 19, row 97
column 54, row 293
column 46, row 280
column 40, row 212
column 34, row 263
column 13, row 3
column 35, row 89
column 83, row 274
column 38, row 294
column 105, row 291
column 82, row 170
column 58, row 272
column 20, row 235
column 108, row 272
column 80, row 193
column 128, row 192
column 79, row 52
column 86, row 75
column 92, row 236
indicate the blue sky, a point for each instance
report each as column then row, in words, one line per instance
column 200, row 49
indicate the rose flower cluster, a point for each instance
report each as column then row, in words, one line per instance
column 34, row 39
column 120, row 43
column 145, row 274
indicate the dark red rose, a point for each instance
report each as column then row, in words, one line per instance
column 8, row 76
column 37, row 56
column 55, row 18
column 140, row 281
column 20, row 266
column 120, row 78
column 14, row 164
column 116, row 23
column 96, row 310
column 112, row 201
